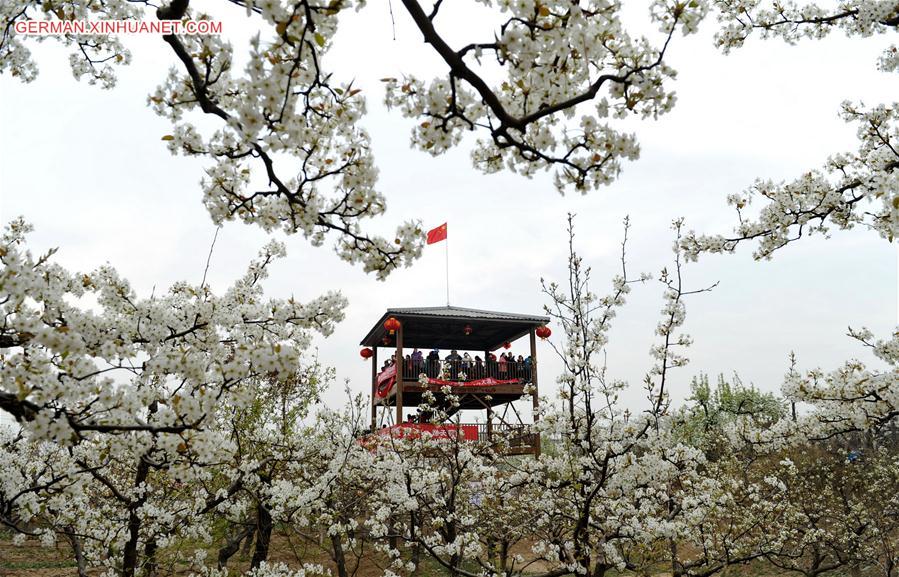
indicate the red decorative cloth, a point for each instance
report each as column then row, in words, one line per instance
column 414, row 430
column 386, row 380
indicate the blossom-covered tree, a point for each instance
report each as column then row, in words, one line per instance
column 854, row 188
column 147, row 425
column 286, row 150
column 158, row 365
column 554, row 56
column 857, row 189
column 133, row 386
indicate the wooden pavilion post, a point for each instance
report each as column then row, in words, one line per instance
column 490, row 424
column 399, row 364
column 374, row 388
column 535, row 396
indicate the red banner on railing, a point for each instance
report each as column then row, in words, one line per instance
column 387, row 379
column 415, row 430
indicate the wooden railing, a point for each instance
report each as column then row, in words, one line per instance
column 464, row 370
column 515, row 436
column 513, row 439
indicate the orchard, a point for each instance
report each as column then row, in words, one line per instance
column 182, row 431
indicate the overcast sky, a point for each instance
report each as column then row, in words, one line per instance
column 88, row 169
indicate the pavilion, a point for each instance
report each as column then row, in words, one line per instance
column 480, row 383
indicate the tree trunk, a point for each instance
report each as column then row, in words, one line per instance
column 232, row 544
column 77, row 551
column 339, row 557
column 129, row 554
column 392, row 540
column 151, row 567
column 413, row 537
column 263, row 535
column 676, row 569
column 248, row 543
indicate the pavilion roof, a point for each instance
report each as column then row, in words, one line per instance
column 443, row 328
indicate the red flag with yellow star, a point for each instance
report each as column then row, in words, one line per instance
column 437, row 234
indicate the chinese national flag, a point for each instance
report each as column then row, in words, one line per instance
column 437, row 234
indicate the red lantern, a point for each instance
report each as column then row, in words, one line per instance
column 543, row 332
column 507, row 345
column 392, row 325
column 385, row 340
column 366, row 353
column 467, row 330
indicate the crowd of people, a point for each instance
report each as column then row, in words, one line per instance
column 464, row 367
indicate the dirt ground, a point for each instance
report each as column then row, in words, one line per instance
column 33, row 560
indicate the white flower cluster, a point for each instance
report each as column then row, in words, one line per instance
column 161, row 364
column 93, row 55
column 852, row 397
column 290, row 153
column 286, row 150
column 854, row 189
column 554, row 55
column 792, row 22
column 162, row 413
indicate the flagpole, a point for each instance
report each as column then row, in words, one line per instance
column 446, row 241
